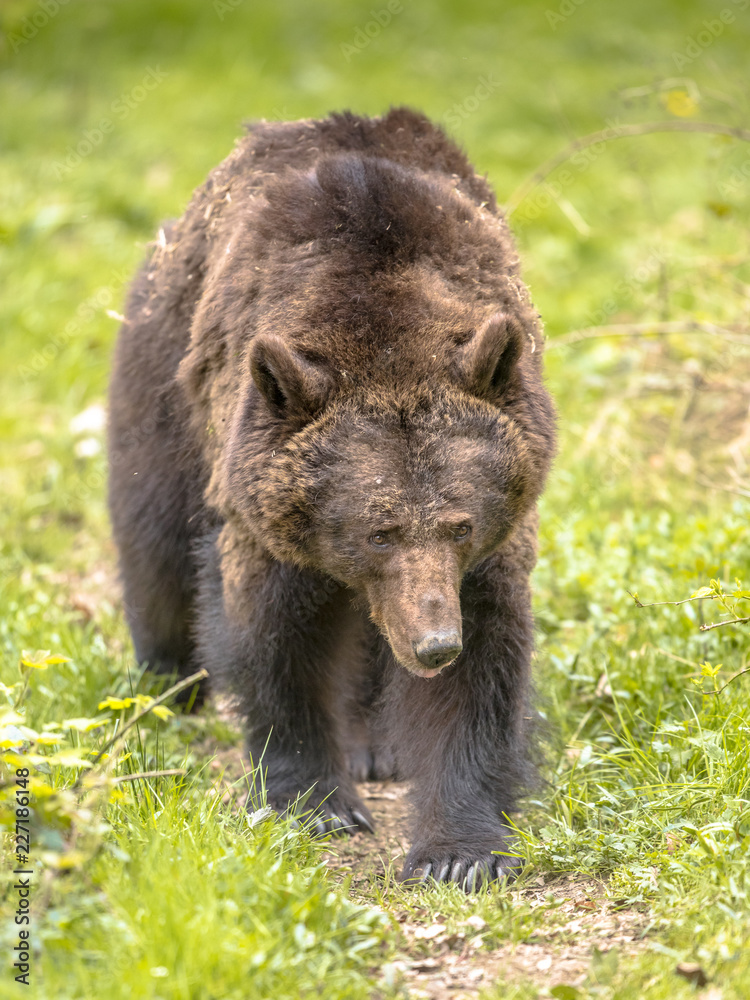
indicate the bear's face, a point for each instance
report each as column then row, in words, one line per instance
column 397, row 495
column 406, row 503
column 399, row 503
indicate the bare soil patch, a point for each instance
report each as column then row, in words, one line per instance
column 439, row 962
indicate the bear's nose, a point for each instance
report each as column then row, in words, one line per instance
column 436, row 650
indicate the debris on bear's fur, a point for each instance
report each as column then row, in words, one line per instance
column 328, row 433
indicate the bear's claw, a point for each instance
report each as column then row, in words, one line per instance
column 363, row 821
column 470, row 875
column 337, row 818
column 322, row 812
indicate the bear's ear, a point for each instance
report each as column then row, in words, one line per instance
column 487, row 362
column 290, row 386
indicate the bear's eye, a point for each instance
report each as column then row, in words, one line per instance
column 379, row 539
column 462, row 531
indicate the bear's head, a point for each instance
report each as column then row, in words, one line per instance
column 396, row 494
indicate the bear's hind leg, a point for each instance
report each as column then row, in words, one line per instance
column 150, row 515
column 271, row 634
column 158, row 596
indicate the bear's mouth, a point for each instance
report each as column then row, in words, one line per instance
column 427, row 673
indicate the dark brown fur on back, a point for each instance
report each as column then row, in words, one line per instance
column 328, row 433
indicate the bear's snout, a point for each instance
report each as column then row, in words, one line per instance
column 438, row 650
column 418, row 609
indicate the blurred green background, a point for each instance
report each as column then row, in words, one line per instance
column 112, row 111
column 153, row 95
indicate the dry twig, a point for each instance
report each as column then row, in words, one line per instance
column 733, row 334
column 729, row 621
column 662, row 604
column 616, row 132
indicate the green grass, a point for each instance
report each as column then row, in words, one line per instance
column 155, row 887
column 195, row 904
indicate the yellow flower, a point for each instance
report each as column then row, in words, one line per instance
column 70, row 757
column 83, row 725
column 13, row 736
column 680, row 103
column 116, row 704
column 41, row 659
column 49, row 739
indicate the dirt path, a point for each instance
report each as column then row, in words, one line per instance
column 449, row 958
column 442, row 963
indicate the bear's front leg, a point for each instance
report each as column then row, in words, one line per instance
column 461, row 736
column 269, row 632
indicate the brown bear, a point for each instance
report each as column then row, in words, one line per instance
column 328, row 432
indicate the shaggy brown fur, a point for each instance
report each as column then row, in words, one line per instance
column 328, row 433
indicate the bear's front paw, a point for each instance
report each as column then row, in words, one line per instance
column 338, row 813
column 470, row 869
